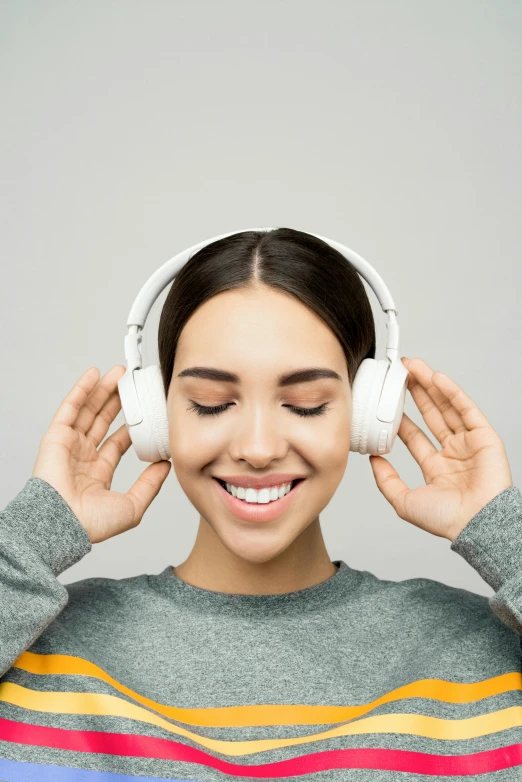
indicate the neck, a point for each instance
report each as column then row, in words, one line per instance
column 210, row 565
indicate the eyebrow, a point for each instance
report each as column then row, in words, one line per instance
column 290, row 378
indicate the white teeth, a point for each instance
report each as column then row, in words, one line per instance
column 259, row 496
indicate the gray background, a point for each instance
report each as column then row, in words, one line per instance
column 132, row 130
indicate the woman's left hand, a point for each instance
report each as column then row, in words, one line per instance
column 468, row 472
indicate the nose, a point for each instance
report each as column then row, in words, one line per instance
column 259, row 438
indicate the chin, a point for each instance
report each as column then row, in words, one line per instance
column 255, row 548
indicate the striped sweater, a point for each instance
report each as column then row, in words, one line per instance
column 355, row 678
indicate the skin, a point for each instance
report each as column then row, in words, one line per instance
column 258, row 435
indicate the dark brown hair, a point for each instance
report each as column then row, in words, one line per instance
column 292, row 261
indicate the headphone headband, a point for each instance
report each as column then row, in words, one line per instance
column 165, row 274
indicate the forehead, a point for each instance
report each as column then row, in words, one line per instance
column 265, row 324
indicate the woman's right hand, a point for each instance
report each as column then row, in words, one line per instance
column 70, row 461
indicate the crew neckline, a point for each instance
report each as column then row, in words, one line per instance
column 308, row 599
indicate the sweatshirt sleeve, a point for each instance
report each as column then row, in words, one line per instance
column 40, row 537
column 491, row 543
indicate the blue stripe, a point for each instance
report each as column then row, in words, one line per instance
column 13, row 771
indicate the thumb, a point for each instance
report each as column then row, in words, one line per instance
column 159, row 471
column 381, row 468
column 388, row 480
column 147, row 487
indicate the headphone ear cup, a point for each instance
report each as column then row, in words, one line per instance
column 366, row 393
column 151, row 438
column 378, row 386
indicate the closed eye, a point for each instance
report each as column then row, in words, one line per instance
column 301, row 411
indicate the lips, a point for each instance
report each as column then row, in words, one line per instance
column 255, row 511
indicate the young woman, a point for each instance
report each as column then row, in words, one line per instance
column 259, row 657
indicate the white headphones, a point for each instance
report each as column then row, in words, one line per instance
column 378, row 391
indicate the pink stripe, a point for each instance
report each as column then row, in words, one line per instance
column 129, row 745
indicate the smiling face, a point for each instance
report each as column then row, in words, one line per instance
column 258, row 335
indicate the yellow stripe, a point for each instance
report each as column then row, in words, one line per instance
column 277, row 714
column 113, row 706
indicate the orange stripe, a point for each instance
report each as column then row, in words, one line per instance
column 276, row 714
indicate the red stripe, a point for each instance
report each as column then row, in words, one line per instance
column 129, row 745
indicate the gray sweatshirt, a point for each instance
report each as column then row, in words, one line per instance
column 356, row 678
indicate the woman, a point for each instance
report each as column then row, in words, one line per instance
column 259, row 657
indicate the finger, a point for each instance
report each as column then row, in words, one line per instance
column 147, row 487
column 471, row 416
column 390, row 484
column 98, row 396
column 115, row 446
column 469, row 411
column 440, row 415
column 68, row 411
column 416, row 441
column 104, row 419
column 441, row 418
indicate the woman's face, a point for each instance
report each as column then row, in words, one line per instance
column 258, row 335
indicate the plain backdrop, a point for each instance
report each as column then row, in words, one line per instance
column 133, row 129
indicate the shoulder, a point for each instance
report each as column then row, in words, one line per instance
column 427, row 602
column 94, row 596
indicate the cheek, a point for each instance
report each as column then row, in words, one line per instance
column 331, row 452
column 326, row 442
column 339, row 440
column 194, row 441
column 189, row 446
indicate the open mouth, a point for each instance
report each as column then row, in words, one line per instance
column 259, row 511
column 294, row 483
